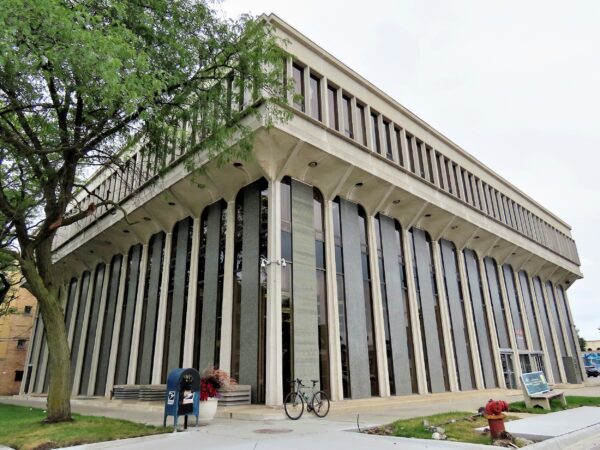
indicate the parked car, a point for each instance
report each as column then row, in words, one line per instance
column 591, row 371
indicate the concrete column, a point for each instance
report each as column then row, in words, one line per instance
column 162, row 312
column 324, row 103
column 404, row 149
column 227, row 311
column 563, row 323
column 137, row 321
column 274, row 345
column 190, row 319
column 491, row 324
column 511, row 329
column 378, row 317
column 524, row 318
column 396, row 152
column 43, row 371
column 369, row 133
column 414, row 314
column 538, row 320
column 554, row 333
column 435, row 174
column 473, row 343
column 579, row 355
column 71, row 326
column 99, row 328
column 112, row 362
column 451, row 368
column 333, row 318
column 84, row 328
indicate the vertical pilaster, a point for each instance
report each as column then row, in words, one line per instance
column 99, row 328
column 509, row 323
column 547, row 363
column 333, row 318
column 524, row 318
column 84, row 328
column 227, row 312
column 74, row 306
column 473, row 344
column 34, row 356
column 404, row 150
column 274, row 345
column 190, row 325
column 491, row 324
column 452, row 370
column 378, row 318
column 569, row 316
column 112, row 361
column 414, row 314
column 554, row 333
column 162, row 312
column 137, row 321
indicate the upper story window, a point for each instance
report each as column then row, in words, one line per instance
column 411, row 155
column 398, row 137
column 315, row 97
column 375, row 132
column 387, row 142
column 298, row 75
column 347, row 116
column 27, row 310
column 21, row 344
column 361, row 129
column 332, row 105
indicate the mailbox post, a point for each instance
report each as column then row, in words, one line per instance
column 182, row 397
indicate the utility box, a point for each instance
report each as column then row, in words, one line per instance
column 182, row 397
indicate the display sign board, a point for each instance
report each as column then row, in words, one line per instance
column 535, row 383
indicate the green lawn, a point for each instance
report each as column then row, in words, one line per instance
column 460, row 430
column 555, row 405
column 22, row 428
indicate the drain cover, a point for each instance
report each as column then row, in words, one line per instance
column 272, row 431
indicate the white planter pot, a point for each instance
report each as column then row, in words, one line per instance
column 207, row 410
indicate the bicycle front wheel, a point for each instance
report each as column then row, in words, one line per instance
column 320, row 404
column 293, row 405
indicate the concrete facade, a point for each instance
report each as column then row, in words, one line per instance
column 357, row 246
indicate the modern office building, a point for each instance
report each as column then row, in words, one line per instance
column 358, row 246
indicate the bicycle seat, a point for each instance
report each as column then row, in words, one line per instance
column 314, row 381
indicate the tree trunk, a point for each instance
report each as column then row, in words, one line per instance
column 43, row 288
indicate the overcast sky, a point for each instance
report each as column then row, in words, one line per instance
column 514, row 83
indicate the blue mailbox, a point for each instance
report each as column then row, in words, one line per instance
column 183, row 395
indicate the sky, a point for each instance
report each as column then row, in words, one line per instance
column 515, row 83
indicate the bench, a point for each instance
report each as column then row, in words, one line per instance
column 536, row 391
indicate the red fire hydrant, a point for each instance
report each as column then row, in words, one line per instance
column 494, row 413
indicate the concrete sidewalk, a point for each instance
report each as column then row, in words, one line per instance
column 264, row 428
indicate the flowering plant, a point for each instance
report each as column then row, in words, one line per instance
column 218, row 378
column 207, row 390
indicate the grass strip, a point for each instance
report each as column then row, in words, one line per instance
column 22, row 428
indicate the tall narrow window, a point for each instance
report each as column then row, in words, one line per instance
column 387, row 141
column 333, row 108
column 428, row 155
column 339, row 268
column 411, row 155
column 315, row 97
column 375, row 132
column 420, row 149
column 347, row 114
column 319, row 223
column 298, row 75
column 364, row 248
column 361, row 129
column 398, row 137
column 286, row 284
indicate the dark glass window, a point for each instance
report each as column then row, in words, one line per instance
column 339, row 263
column 315, row 97
column 319, row 222
column 398, row 137
column 18, row 375
column 332, row 106
column 21, row 343
column 298, row 75
column 27, row 310
column 361, row 130
column 364, row 246
column 375, row 132
column 286, row 285
column 420, row 150
column 387, row 141
column 347, row 115
column 411, row 155
column 428, row 155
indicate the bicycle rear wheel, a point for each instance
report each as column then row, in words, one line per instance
column 320, row 404
column 293, row 405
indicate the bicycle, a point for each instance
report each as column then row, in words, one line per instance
column 294, row 401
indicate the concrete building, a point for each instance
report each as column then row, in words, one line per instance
column 358, row 246
column 15, row 334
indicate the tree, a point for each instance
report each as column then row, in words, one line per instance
column 82, row 83
column 582, row 342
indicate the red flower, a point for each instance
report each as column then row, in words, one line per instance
column 207, row 390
